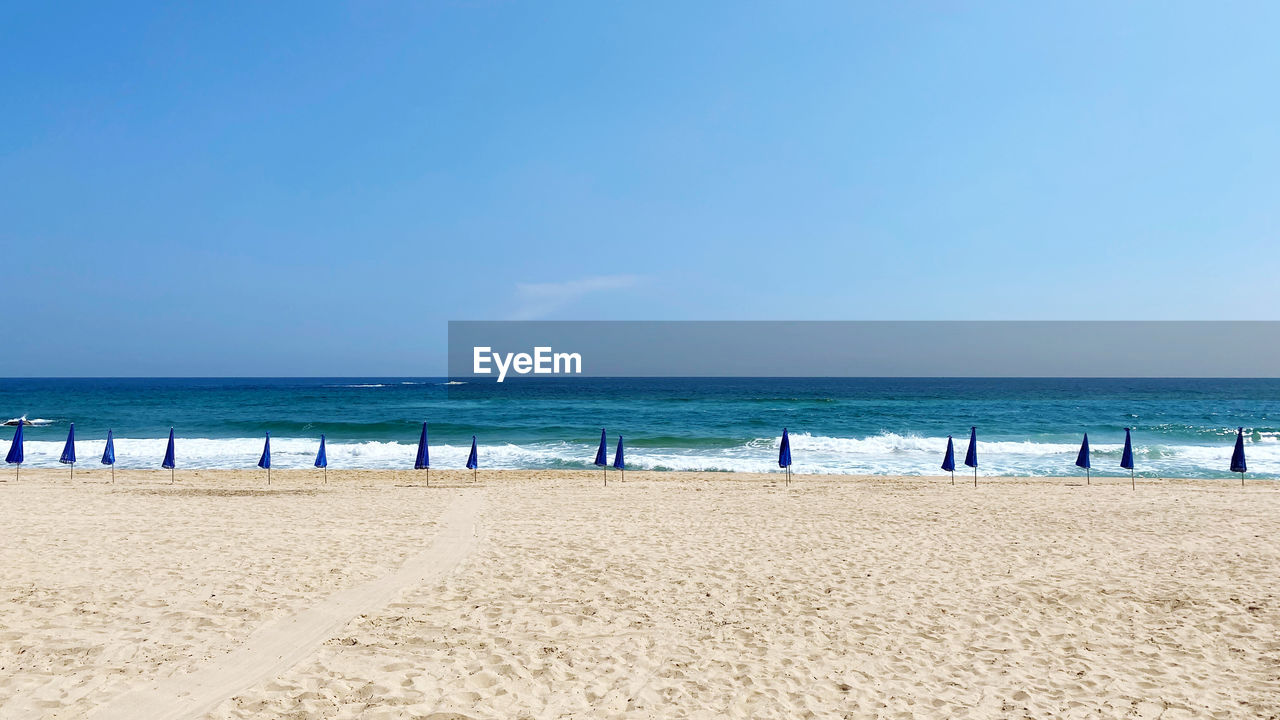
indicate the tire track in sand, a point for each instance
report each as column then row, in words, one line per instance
column 283, row 643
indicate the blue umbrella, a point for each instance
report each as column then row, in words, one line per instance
column 1237, row 457
column 1082, row 460
column 423, row 460
column 69, row 451
column 322, row 460
column 473, row 461
column 618, row 462
column 264, row 462
column 602, row 458
column 109, row 455
column 169, row 462
column 784, row 454
column 949, row 460
column 971, row 455
column 1126, row 460
column 15, row 449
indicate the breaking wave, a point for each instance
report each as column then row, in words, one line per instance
column 882, row 454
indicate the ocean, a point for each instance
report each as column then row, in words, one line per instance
column 1026, row 427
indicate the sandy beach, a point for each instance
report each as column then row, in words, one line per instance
column 701, row 595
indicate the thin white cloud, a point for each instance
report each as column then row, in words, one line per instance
column 538, row 300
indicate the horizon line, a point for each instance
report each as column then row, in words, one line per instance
column 577, row 378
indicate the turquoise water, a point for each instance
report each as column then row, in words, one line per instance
column 1182, row 427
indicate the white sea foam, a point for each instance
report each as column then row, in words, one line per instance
column 879, row 454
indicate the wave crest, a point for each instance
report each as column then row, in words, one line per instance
column 882, row 454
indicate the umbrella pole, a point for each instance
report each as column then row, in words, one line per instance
column 975, row 476
column 475, row 472
column 1087, row 479
column 170, row 476
column 1133, row 484
column 73, row 472
column 268, row 476
column 326, row 474
column 113, row 473
column 1241, row 479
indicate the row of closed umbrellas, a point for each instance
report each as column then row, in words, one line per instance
column 423, row 459
column 971, row 456
column 17, row 455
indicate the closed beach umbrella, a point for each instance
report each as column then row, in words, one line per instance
column 264, row 462
column 1082, row 460
column 473, row 460
column 109, row 455
column 971, row 455
column 423, row 460
column 15, row 449
column 1237, row 457
column 322, row 460
column 602, row 458
column 784, row 454
column 619, row 463
column 69, row 451
column 169, row 462
column 1126, row 459
column 949, row 460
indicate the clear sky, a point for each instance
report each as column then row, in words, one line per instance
column 309, row 188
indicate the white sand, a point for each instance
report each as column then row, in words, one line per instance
column 672, row 595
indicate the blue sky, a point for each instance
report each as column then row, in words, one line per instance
column 299, row 189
